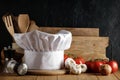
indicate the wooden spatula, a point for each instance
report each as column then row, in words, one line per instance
column 23, row 22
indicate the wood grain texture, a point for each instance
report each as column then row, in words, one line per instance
column 109, row 77
column 18, row 77
column 68, row 77
column 83, row 76
column 46, row 78
column 74, row 31
column 88, row 76
column 79, row 42
column 89, row 47
column 48, row 72
column 117, row 74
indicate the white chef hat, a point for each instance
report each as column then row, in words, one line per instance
column 44, row 50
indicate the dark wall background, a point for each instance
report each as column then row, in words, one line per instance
column 102, row 14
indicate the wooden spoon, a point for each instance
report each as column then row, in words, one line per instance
column 33, row 26
column 23, row 22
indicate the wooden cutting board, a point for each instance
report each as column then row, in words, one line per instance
column 47, row 72
column 89, row 47
column 74, row 31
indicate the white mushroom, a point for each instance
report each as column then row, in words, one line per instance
column 83, row 67
column 69, row 62
column 75, row 69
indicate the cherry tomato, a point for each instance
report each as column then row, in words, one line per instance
column 114, row 65
column 79, row 60
column 65, row 57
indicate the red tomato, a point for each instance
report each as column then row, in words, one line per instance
column 89, row 65
column 93, row 66
column 65, row 56
column 79, row 60
column 104, row 61
column 96, row 66
column 114, row 65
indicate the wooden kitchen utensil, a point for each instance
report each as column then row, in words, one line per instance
column 32, row 26
column 23, row 22
column 75, row 31
column 47, row 72
column 7, row 19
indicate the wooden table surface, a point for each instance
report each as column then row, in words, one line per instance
column 83, row 76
